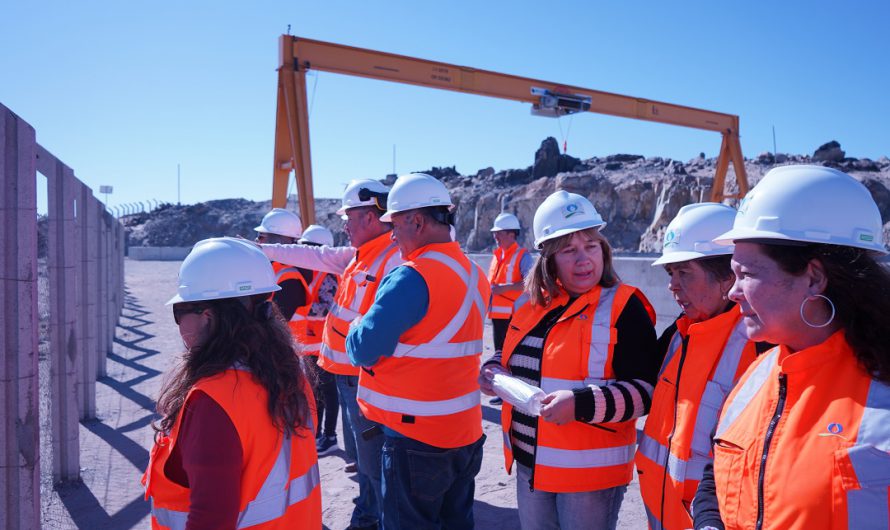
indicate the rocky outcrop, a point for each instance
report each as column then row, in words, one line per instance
column 830, row 152
column 637, row 196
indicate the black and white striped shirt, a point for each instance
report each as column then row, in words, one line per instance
column 635, row 363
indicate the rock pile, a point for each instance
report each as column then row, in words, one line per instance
column 638, row 196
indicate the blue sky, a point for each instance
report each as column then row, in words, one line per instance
column 125, row 91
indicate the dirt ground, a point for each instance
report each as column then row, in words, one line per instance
column 115, row 446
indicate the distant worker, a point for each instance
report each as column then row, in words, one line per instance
column 283, row 226
column 419, row 345
column 361, row 268
column 804, row 438
column 309, row 325
column 705, row 352
column 510, row 265
column 233, row 447
column 588, row 341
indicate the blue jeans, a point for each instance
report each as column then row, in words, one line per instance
column 348, row 437
column 542, row 510
column 429, row 487
column 367, row 505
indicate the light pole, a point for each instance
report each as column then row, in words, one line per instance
column 106, row 190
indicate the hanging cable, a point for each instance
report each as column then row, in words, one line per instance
column 565, row 137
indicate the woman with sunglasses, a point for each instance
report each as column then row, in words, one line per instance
column 235, row 446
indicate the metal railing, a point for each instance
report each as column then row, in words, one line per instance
column 85, row 265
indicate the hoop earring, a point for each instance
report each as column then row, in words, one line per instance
column 804, row 303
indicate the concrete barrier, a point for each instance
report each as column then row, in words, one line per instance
column 639, row 272
column 158, row 253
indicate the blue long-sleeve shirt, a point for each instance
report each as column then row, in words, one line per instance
column 401, row 301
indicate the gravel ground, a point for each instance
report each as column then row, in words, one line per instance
column 114, row 447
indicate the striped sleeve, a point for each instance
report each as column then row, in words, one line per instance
column 619, row 401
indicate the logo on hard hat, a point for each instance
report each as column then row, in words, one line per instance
column 670, row 239
column 571, row 209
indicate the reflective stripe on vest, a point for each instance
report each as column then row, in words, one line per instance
column 521, row 301
column 500, row 310
column 416, row 407
column 747, row 391
column 680, row 470
column 584, row 458
column 340, row 357
column 601, row 334
column 311, row 347
column 514, row 263
column 287, row 270
column 867, row 507
column 440, row 347
column 274, row 498
column 361, row 287
column 673, row 348
column 344, row 313
column 716, row 391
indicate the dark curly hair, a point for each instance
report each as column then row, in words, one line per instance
column 859, row 286
column 249, row 331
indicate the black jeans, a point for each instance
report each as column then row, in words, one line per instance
column 499, row 331
column 326, row 400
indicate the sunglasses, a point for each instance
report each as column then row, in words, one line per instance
column 179, row 312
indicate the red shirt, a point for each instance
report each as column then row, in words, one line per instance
column 207, row 459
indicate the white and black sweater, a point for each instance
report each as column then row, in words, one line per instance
column 635, row 362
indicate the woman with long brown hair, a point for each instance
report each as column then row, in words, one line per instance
column 235, row 445
column 588, row 342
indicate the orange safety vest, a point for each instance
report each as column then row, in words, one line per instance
column 284, row 273
column 703, row 363
column 803, row 442
column 309, row 329
column 577, row 352
column 355, row 294
column 505, row 269
column 279, row 477
column 428, row 389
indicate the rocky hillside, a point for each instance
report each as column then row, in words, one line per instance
column 638, row 196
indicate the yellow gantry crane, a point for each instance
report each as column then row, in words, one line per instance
column 298, row 55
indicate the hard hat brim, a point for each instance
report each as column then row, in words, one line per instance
column 568, row 230
column 387, row 216
column 220, row 295
column 689, row 255
column 742, row 234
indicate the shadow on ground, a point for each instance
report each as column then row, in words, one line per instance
column 126, row 369
column 488, row 516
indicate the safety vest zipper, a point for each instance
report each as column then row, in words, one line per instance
column 670, row 439
column 777, row 415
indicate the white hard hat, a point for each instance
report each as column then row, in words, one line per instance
column 812, row 204
column 282, row 222
column 351, row 194
column 317, row 234
column 224, row 267
column 690, row 235
column 563, row 213
column 416, row 190
column 505, row 221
